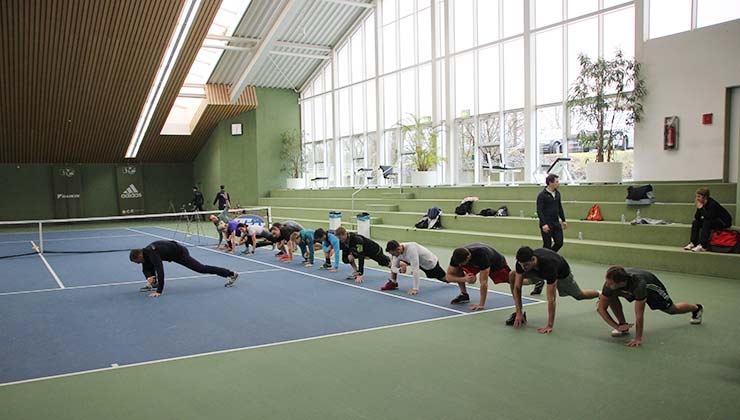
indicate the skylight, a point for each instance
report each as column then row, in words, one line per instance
column 182, row 29
column 188, row 106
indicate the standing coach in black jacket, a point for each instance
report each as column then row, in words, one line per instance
column 550, row 212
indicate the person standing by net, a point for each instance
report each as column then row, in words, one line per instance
column 152, row 256
column 197, row 201
column 222, row 199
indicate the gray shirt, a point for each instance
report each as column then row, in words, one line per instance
column 416, row 256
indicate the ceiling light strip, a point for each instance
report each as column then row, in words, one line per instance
column 182, row 29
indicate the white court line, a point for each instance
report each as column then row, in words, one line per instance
column 122, row 283
column 321, row 278
column 218, row 352
column 46, row 239
column 468, row 286
column 51, row 270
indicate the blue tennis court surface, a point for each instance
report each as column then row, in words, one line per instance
column 68, row 313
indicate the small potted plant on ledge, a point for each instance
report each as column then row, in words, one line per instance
column 606, row 94
column 420, row 138
column 292, row 158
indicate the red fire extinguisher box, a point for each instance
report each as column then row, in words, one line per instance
column 670, row 133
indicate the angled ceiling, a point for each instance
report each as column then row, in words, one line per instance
column 74, row 74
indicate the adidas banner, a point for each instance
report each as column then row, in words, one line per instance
column 67, row 182
column 130, row 189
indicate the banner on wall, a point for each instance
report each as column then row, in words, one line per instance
column 67, row 180
column 130, row 189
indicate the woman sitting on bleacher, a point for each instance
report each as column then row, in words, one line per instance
column 709, row 216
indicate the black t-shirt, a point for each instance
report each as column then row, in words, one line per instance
column 360, row 245
column 638, row 287
column 551, row 266
column 483, row 257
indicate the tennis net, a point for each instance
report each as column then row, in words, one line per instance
column 119, row 233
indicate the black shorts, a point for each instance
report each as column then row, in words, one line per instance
column 658, row 299
column 435, row 273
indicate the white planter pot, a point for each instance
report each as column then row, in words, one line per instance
column 296, row 183
column 604, row 172
column 424, row 179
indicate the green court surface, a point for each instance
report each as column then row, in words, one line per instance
column 460, row 368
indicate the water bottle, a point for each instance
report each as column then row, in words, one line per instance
column 521, row 213
column 580, row 236
column 638, row 214
column 622, row 219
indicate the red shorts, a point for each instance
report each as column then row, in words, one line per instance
column 497, row 277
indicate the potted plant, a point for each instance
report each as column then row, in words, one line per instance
column 421, row 137
column 605, row 92
column 292, row 158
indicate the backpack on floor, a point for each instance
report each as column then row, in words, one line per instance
column 594, row 214
column 464, row 208
column 487, row 212
column 638, row 193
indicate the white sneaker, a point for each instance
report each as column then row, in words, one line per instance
column 696, row 316
column 617, row 333
column 232, row 279
column 689, row 247
column 698, row 248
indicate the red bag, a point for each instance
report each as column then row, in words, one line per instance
column 594, row 214
column 727, row 238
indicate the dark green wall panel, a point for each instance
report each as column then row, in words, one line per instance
column 29, row 194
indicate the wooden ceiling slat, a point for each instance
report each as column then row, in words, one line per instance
column 93, row 62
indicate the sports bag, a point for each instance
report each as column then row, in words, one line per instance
column 594, row 214
column 725, row 238
column 638, row 193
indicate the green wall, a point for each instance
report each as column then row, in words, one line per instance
column 235, row 161
column 29, row 191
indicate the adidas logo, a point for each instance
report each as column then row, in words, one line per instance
column 131, row 192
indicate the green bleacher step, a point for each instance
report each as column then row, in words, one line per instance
column 381, row 207
column 398, row 195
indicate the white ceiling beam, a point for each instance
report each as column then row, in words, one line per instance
column 227, row 47
column 351, row 3
column 261, row 54
column 302, row 55
column 283, row 44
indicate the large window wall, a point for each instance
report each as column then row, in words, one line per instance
column 494, row 74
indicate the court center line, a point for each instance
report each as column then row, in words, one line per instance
column 318, row 277
column 48, row 267
column 123, row 283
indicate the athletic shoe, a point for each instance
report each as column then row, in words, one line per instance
column 284, row 257
column 689, row 247
column 698, row 248
column 352, row 276
column 391, row 285
column 307, row 264
column 696, row 315
column 280, row 253
column 537, row 288
column 232, row 279
column 512, row 318
column 461, row 298
column 326, row 266
column 617, row 333
column 146, row 288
